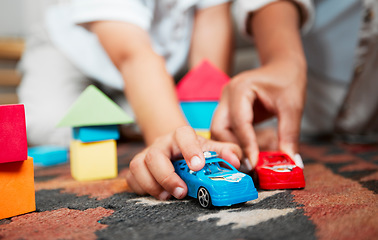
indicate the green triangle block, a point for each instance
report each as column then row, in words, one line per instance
column 94, row 108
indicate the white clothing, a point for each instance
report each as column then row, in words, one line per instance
column 331, row 44
column 62, row 58
column 342, row 61
column 168, row 22
column 330, row 33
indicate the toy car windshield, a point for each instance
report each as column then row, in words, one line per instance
column 276, row 160
column 214, row 168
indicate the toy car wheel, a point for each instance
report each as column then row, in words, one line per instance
column 204, row 198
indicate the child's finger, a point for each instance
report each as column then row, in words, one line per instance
column 187, row 141
column 143, row 179
column 133, row 184
column 230, row 152
column 163, row 171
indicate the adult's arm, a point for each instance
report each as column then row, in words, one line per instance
column 276, row 88
column 212, row 37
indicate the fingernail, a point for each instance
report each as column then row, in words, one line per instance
column 195, row 162
column 234, row 157
column 164, row 195
column 288, row 149
column 177, row 193
column 247, row 164
column 298, row 160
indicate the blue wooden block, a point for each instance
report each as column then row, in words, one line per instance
column 199, row 114
column 48, row 155
column 96, row 133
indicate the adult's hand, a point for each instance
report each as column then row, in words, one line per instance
column 276, row 89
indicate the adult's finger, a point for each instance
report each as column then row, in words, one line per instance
column 241, row 105
column 161, row 168
column 187, row 141
column 289, row 120
column 221, row 124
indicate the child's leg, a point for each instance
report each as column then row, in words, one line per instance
column 49, row 87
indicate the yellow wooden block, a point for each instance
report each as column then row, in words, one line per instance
column 93, row 161
column 203, row 133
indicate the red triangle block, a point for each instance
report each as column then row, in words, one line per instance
column 202, row 83
column 13, row 142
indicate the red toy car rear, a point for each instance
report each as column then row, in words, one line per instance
column 276, row 170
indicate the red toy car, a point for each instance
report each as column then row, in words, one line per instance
column 276, row 170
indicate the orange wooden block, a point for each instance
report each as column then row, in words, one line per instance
column 17, row 194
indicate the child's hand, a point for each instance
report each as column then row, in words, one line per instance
column 151, row 171
column 277, row 88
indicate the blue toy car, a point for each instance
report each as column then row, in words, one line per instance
column 217, row 184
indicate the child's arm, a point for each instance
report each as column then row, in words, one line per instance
column 148, row 86
column 212, row 37
column 276, row 88
column 150, row 90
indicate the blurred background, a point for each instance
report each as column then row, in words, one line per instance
column 19, row 17
column 16, row 19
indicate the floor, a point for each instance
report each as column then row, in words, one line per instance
column 339, row 202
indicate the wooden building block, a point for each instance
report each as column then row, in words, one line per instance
column 199, row 114
column 48, row 155
column 17, row 194
column 96, row 133
column 203, row 133
column 93, row 161
column 94, row 108
column 202, row 83
column 13, row 142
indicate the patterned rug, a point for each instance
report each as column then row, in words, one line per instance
column 339, row 202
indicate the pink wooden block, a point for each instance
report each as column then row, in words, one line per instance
column 13, row 141
column 202, row 83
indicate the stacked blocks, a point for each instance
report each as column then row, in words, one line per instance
column 95, row 119
column 17, row 195
column 199, row 92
